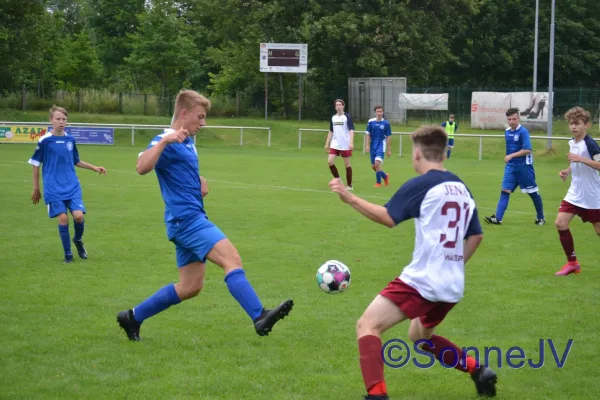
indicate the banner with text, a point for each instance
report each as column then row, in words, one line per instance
column 90, row 135
column 433, row 101
column 21, row 133
column 488, row 109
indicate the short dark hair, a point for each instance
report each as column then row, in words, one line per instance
column 512, row 111
column 340, row 100
column 377, row 107
column 432, row 140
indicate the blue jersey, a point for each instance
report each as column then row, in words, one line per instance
column 177, row 170
column 379, row 132
column 518, row 140
column 59, row 155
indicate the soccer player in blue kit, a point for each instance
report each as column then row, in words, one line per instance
column 518, row 171
column 62, row 190
column 379, row 135
column 174, row 157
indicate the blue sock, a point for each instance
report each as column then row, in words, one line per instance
column 164, row 298
column 63, row 231
column 537, row 202
column 242, row 291
column 378, row 176
column 448, row 153
column 502, row 205
column 383, row 175
column 78, row 230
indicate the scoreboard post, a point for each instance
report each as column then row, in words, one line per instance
column 284, row 58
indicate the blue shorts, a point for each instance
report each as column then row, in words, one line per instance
column 378, row 156
column 451, row 142
column 194, row 238
column 522, row 176
column 60, row 207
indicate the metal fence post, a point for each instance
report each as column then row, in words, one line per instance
column 400, row 145
column 480, row 147
column 299, row 139
column 132, row 134
column 269, row 139
column 241, row 136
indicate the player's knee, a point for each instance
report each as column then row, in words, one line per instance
column 597, row 227
column 78, row 217
column 374, row 167
column 192, row 289
column 560, row 225
column 63, row 219
column 364, row 326
column 414, row 335
column 232, row 262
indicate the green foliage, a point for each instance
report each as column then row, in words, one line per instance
column 160, row 46
column 77, row 65
column 163, row 54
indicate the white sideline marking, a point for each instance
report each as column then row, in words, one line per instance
column 275, row 187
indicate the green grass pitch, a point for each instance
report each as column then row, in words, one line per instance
column 60, row 339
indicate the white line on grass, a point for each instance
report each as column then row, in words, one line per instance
column 242, row 185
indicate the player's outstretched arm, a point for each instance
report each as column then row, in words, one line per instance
column 36, row 195
column 84, row 165
column 148, row 159
column 372, row 211
column 471, row 245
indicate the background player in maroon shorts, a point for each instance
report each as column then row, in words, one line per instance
column 448, row 233
column 340, row 141
column 583, row 197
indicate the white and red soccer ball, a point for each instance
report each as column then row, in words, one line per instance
column 333, row 277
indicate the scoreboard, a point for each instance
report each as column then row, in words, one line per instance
column 283, row 57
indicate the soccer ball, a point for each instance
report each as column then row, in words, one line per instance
column 333, row 277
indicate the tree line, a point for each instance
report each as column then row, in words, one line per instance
column 159, row 46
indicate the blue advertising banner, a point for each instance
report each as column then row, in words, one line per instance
column 90, row 135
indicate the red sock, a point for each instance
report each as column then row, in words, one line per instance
column 371, row 364
column 334, row 171
column 566, row 239
column 443, row 345
column 349, row 175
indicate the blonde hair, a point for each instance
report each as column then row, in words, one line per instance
column 432, row 141
column 578, row 114
column 187, row 100
column 56, row 108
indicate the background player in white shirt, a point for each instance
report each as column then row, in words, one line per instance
column 340, row 141
column 432, row 284
column 583, row 197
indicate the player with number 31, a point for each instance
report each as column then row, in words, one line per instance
column 447, row 234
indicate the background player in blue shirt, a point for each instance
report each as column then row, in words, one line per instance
column 518, row 170
column 62, row 191
column 448, row 233
column 379, row 138
column 174, row 157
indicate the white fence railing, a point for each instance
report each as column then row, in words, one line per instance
column 133, row 128
column 401, row 134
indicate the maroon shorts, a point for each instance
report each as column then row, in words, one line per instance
column 586, row 215
column 343, row 153
column 413, row 305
